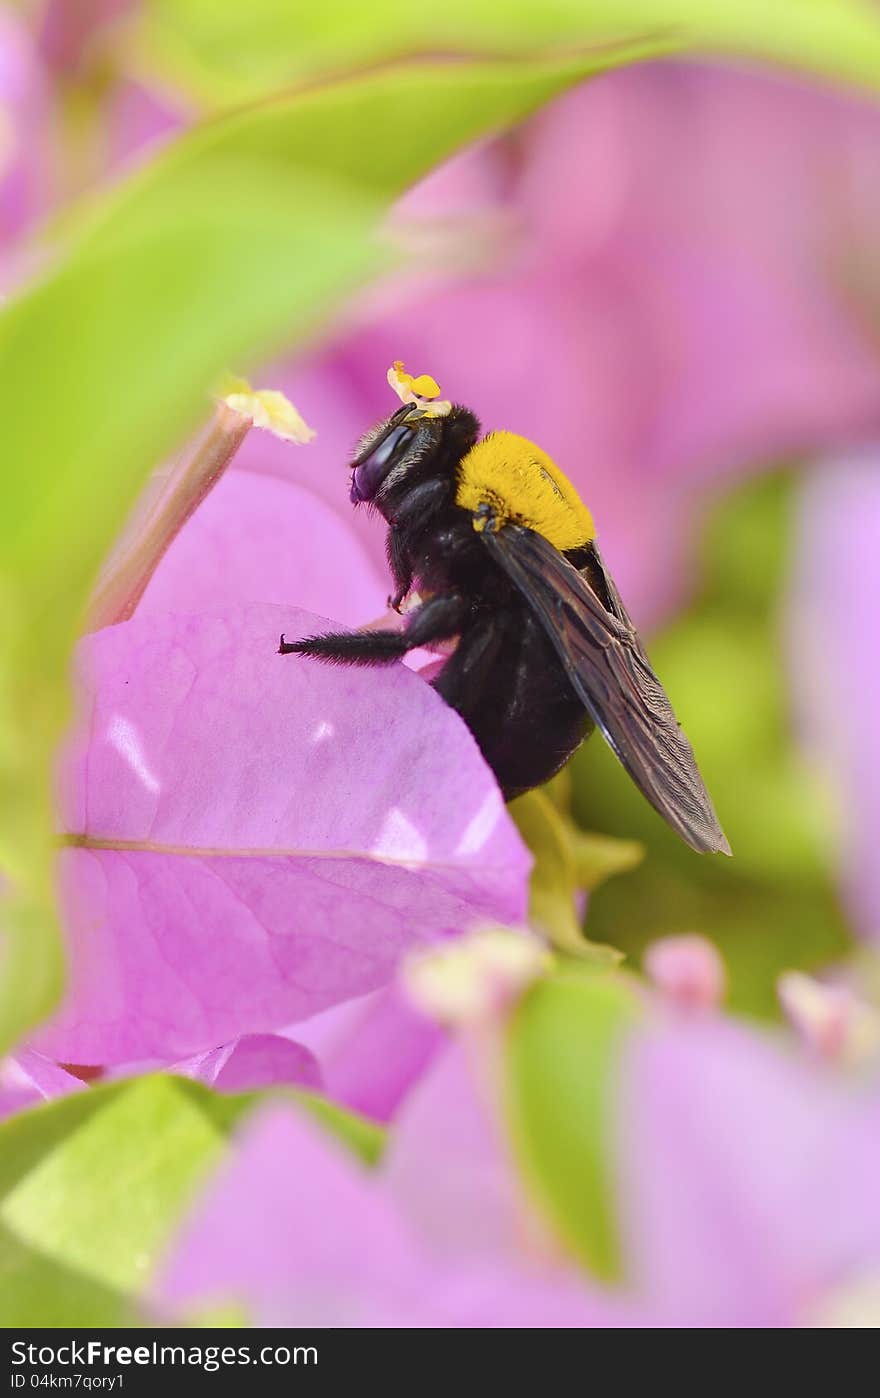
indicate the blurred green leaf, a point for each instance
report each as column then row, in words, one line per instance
column 563, row 1046
column 35, row 1286
column 232, row 52
column 773, row 905
column 566, row 862
column 237, row 238
column 39, row 1290
column 104, row 1200
column 92, row 1186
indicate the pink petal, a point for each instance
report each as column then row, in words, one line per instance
column 27, row 1078
column 140, row 120
column 306, row 1239
column 70, row 32
column 730, row 264
column 332, row 400
column 372, row 1051
column 259, row 539
column 747, row 1177
column 301, row 1234
column 252, row 1061
column 24, row 162
column 266, row 834
column 835, row 660
column 449, row 1166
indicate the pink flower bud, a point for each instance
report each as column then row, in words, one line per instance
column 688, row 970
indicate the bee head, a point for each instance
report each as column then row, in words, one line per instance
column 391, row 450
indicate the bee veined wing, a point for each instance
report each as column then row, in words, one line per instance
column 609, row 670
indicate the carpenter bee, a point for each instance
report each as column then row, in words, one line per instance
column 502, row 553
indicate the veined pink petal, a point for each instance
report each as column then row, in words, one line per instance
column 257, row 837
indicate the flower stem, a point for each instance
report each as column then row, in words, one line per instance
column 129, row 570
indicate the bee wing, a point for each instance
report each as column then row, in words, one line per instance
column 614, row 597
column 609, row 670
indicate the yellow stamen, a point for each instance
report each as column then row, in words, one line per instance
column 410, row 388
column 267, row 408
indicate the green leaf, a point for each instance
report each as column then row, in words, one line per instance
column 233, row 52
column 103, row 1201
column 563, row 1048
column 238, row 238
column 566, row 862
column 38, row 1290
column 92, row 1187
column 775, row 904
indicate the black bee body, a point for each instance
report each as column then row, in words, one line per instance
column 504, row 677
column 499, row 548
column 525, row 717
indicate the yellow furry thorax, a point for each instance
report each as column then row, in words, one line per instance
column 521, row 484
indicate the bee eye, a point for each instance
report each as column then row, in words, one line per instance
column 385, row 450
column 370, row 472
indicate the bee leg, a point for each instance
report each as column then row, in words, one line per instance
column 401, row 568
column 436, row 620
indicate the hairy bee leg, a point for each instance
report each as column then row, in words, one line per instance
column 437, row 620
column 350, row 647
column 401, row 568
